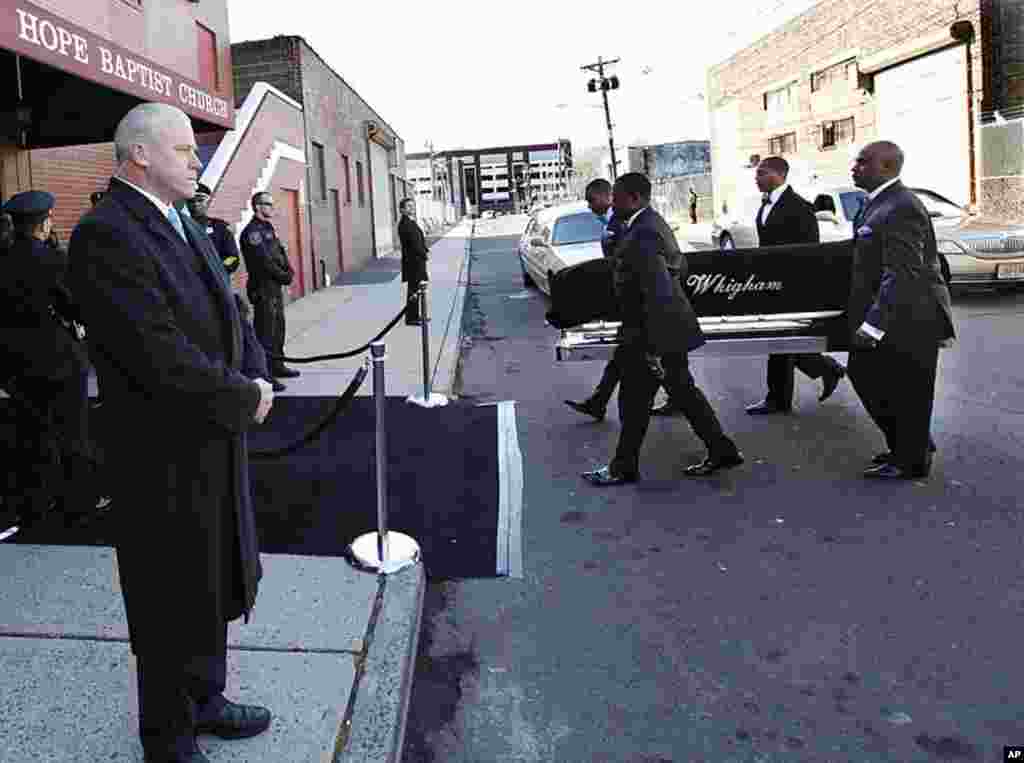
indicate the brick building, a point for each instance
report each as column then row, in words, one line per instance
column 501, row 178
column 75, row 67
column 355, row 161
column 919, row 72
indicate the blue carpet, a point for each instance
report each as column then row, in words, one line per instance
column 442, row 484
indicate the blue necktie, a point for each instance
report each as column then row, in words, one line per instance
column 175, row 219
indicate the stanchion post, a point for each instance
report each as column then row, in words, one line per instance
column 378, row 352
column 425, row 324
column 383, row 551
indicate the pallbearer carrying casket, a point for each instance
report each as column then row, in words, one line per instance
column 659, row 328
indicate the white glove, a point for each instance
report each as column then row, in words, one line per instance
column 266, row 400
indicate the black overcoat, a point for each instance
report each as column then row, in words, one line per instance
column 33, row 343
column 414, row 250
column 896, row 284
column 175, row 364
column 649, row 273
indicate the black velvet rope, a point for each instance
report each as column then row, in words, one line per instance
column 341, row 404
column 350, row 353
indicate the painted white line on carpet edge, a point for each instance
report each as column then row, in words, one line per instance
column 510, row 492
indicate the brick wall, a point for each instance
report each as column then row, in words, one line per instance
column 804, row 45
column 71, row 173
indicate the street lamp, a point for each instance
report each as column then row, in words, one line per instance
column 604, row 84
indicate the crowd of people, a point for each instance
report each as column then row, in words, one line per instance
column 899, row 314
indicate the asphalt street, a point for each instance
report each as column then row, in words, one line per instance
column 788, row 610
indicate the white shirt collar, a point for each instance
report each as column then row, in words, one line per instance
column 629, row 222
column 874, row 194
column 775, row 195
column 163, row 206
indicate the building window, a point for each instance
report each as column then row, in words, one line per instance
column 777, row 102
column 833, row 75
column 359, row 183
column 319, row 171
column 348, row 180
column 837, row 132
column 1005, row 30
column 209, row 76
column 782, row 144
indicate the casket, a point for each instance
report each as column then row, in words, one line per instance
column 749, row 301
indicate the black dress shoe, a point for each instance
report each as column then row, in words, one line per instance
column 587, row 407
column 666, row 409
column 894, row 472
column 233, row 721
column 712, row 464
column 286, row 373
column 277, row 386
column 830, row 382
column 885, row 457
column 605, row 477
column 765, row 407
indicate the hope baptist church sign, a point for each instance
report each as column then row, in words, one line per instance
column 33, row 33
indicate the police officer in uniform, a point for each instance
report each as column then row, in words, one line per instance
column 218, row 230
column 44, row 362
column 269, row 271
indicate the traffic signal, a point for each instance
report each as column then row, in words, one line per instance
column 592, row 86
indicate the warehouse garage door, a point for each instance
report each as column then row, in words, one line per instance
column 922, row 106
column 383, row 222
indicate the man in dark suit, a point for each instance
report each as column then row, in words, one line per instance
column 598, row 194
column 900, row 313
column 785, row 217
column 414, row 258
column 659, row 328
column 169, row 347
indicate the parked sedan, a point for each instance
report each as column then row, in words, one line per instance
column 834, row 207
column 978, row 253
column 558, row 237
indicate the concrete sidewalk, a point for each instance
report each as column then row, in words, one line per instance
column 330, row 649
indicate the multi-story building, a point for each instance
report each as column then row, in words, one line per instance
column 503, row 178
column 927, row 74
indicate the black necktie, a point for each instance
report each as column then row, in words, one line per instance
column 766, row 199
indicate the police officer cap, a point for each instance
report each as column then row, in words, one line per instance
column 30, row 203
column 203, row 190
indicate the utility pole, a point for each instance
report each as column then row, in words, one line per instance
column 605, row 84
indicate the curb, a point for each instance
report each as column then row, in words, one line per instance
column 455, row 314
column 375, row 726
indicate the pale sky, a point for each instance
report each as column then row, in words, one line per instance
column 476, row 74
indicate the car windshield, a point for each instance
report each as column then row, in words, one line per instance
column 938, row 207
column 851, row 201
column 576, row 229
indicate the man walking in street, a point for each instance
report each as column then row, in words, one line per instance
column 693, row 206
column 183, row 372
column 414, row 259
column 785, row 217
column 269, row 272
column 900, row 313
column 659, row 328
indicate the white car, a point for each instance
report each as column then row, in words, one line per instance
column 834, row 207
column 561, row 236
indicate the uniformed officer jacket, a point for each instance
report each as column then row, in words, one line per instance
column 223, row 240
column 266, row 260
